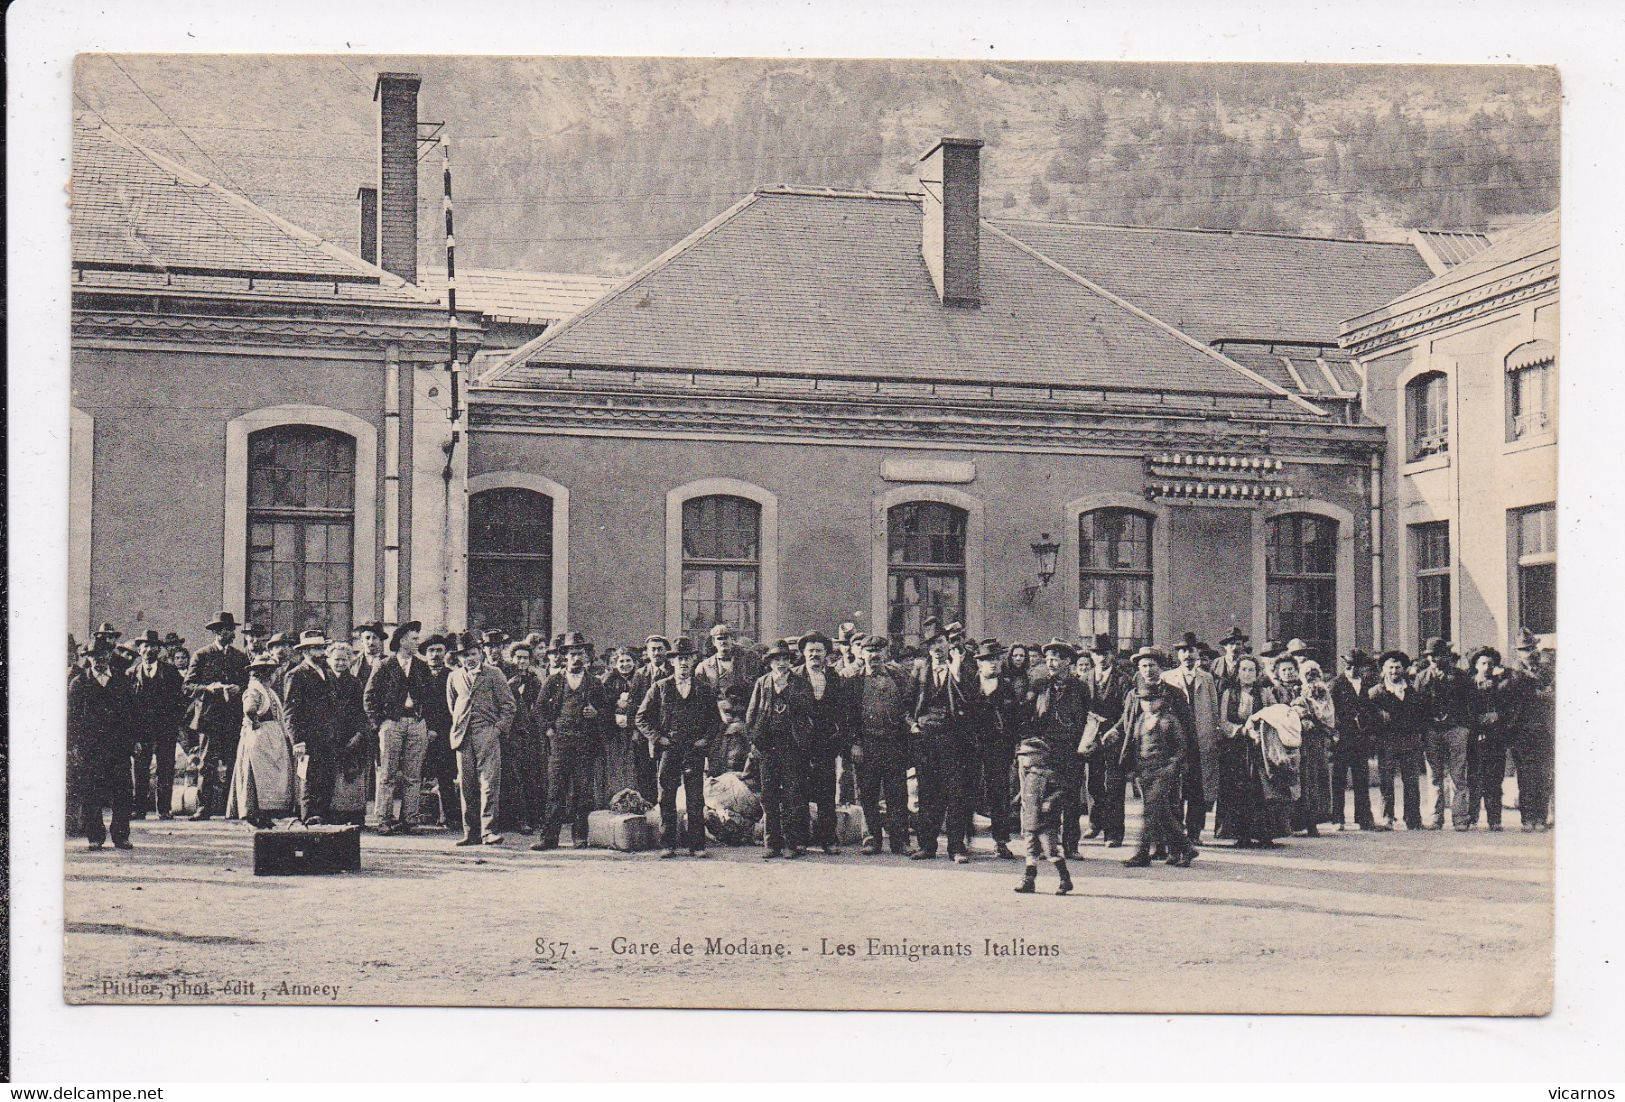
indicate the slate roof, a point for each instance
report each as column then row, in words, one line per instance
column 1444, row 249
column 161, row 226
column 1214, row 284
column 800, row 282
column 1314, row 371
column 510, row 296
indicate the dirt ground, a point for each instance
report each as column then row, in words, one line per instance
column 1429, row 923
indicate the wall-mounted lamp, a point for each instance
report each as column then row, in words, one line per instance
column 1045, row 551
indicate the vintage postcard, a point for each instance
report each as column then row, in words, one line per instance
column 938, row 535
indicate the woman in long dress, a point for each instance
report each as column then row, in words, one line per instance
column 1243, row 812
column 262, row 786
column 1313, row 703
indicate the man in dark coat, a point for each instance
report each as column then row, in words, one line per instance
column 1534, row 689
column 1157, row 746
column 1107, row 685
column 778, row 718
column 395, row 697
column 215, row 681
column 996, row 715
column 942, row 744
column 440, row 761
column 314, row 710
column 1400, row 718
column 159, row 706
column 1445, row 692
column 878, row 718
column 99, row 715
column 679, row 717
column 573, row 712
column 1351, row 752
column 655, row 667
column 826, row 732
column 524, row 753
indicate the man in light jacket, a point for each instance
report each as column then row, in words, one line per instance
column 482, row 710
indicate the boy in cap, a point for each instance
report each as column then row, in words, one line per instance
column 1049, row 744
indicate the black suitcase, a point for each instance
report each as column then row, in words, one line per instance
column 307, row 851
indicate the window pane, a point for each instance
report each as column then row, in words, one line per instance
column 926, row 533
column 721, row 528
column 1537, row 597
column 1301, row 584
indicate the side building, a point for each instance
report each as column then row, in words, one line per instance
column 1463, row 372
column 830, row 405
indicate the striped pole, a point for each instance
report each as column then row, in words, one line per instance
column 451, row 285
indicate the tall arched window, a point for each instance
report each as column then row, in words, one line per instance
column 1427, row 410
column 510, row 560
column 1114, row 576
column 301, row 528
column 925, row 566
column 1300, row 574
column 722, row 565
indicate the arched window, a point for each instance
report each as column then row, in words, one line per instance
column 722, row 565
column 1427, row 411
column 510, row 560
column 1114, row 576
column 301, row 528
column 925, row 566
column 1300, row 574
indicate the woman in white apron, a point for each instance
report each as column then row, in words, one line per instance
column 262, row 786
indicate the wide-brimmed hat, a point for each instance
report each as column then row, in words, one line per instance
column 1296, row 647
column 264, row 662
column 493, row 637
column 684, row 648
column 1437, row 647
column 1061, row 645
column 954, row 631
column 1102, row 643
column 1527, row 640
column 1403, row 658
column 1356, row 657
column 461, row 642
column 1272, row 648
column 571, row 640
column 778, row 650
column 222, row 622
column 375, row 627
column 149, row 637
column 108, row 630
column 1152, row 653
column 1188, row 641
column 280, row 639
column 437, row 639
column 310, row 639
column 846, row 631
column 1234, row 635
column 97, row 648
column 991, row 650
column 399, row 633
column 931, row 631
column 173, row 640
column 1480, row 652
column 661, row 639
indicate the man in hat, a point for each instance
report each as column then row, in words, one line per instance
column 778, row 720
column 215, row 681
column 729, row 666
column 1060, row 711
column 394, row 699
column 1157, row 746
column 99, row 711
column 279, row 646
column 656, row 667
column 313, row 709
column 877, row 719
column 1202, row 702
column 439, row 760
column 942, row 744
column 1534, row 688
column 368, row 640
column 574, row 712
column 1445, row 693
column 1355, row 742
column 1108, row 686
column 1267, row 655
column 1048, row 756
column 841, row 655
column 119, row 660
column 1232, row 647
column 158, row 705
column 1400, row 719
column 679, row 717
column 826, row 732
column 997, row 715
column 482, row 709
column 524, row 758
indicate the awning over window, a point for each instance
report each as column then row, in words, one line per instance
column 1531, row 354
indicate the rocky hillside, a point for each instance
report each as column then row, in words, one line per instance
column 595, row 165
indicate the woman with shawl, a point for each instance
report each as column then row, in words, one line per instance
column 262, row 778
column 1243, row 811
column 1313, row 703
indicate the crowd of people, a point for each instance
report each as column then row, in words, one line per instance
column 532, row 734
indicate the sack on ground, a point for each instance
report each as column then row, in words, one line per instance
column 731, row 809
column 629, row 801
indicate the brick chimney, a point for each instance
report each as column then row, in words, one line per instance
column 951, row 177
column 397, row 97
column 369, row 223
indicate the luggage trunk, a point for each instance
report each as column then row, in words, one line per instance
column 302, row 851
column 614, row 830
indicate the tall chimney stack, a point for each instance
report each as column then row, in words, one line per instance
column 369, row 223
column 951, row 177
column 397, row 97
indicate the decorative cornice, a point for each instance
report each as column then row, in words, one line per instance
column 1363, row 340
column 589, row 411
column 136, row 328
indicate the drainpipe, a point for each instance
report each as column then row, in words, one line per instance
column 1375, row 495
column 392, row 486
